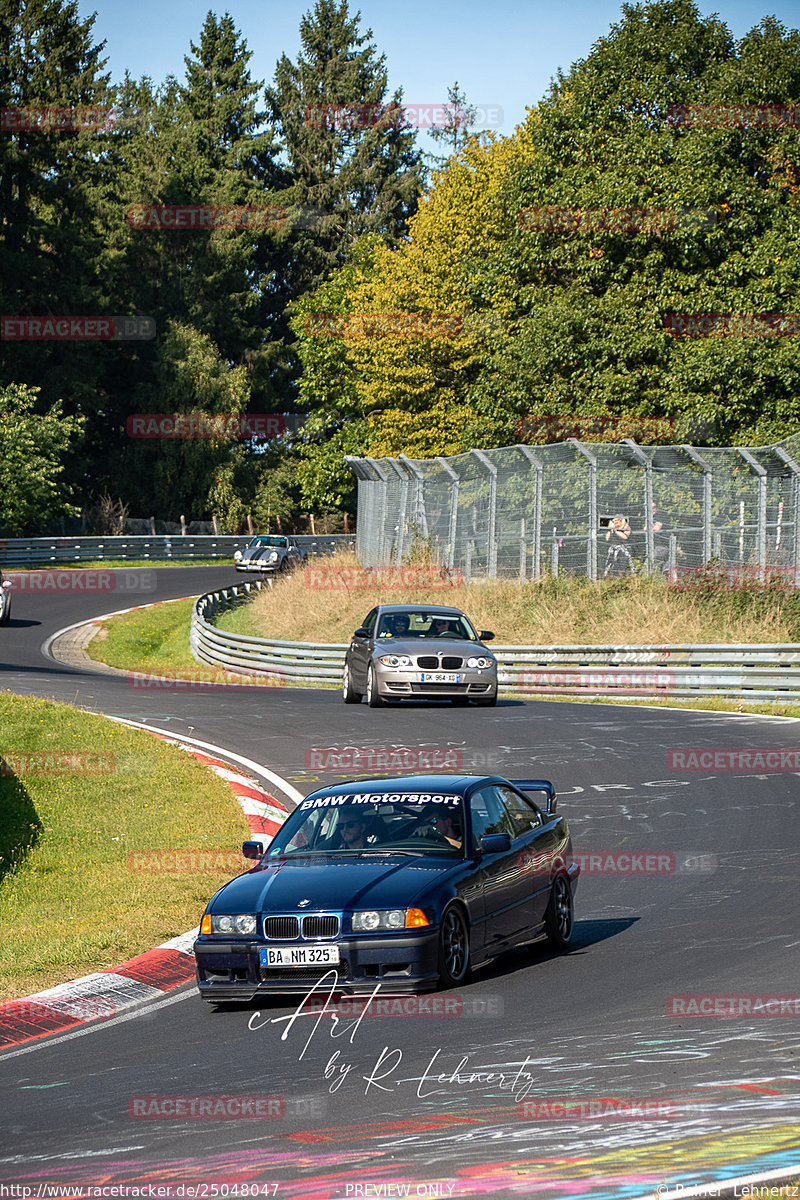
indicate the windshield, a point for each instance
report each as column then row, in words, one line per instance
column 423, row 624
column 383, row 823
column 281, row 542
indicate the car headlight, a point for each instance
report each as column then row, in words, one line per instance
column 368, row 920
column 237, row 556
column 480, row 663
column 274, row 556
column 232, row 923
column 395, row 660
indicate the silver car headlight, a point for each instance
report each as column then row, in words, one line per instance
column 237, row 556
column 235, row 923
column 274, row 556
column 369, row 920
column 395, row 660
column 480, row 663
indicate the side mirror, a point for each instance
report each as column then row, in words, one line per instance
column 486, row 635
column 252, row 849
column 495, row 843
column 361, row 632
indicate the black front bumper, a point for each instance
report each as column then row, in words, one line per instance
column 229, row 969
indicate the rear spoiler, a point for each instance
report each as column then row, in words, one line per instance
column 539, row 785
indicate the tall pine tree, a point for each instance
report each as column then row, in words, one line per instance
column 352, row 161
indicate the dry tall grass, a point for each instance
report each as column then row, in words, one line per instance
column 311, row 605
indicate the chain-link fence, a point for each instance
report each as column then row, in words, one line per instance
column 590, row 509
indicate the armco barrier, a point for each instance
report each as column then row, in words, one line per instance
column 756, row 672
column 23, row 552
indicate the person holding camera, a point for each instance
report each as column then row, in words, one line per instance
column 618, row 557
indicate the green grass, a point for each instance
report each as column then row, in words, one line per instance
column 70, row 901
column 155, row 640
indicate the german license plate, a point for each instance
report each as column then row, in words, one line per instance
column 299, row 956
column 439, row 677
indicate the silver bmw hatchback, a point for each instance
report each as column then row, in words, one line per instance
column 417, row 652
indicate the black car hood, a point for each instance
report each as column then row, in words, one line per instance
column 333, row 883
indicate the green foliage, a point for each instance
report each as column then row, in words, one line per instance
column 578, row 315
column 32, row 449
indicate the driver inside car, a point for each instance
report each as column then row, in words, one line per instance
column 443, row 822
column 395, row 625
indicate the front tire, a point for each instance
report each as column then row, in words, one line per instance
column 453, row 949
column 560, row 915
column 5, row 609
column 374, row 698
column 349, row 694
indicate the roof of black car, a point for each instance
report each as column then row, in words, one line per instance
column 427, row 608
column 403, row 783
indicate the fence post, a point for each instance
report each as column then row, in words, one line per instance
column 453, row 524
column 491, row 536
column 761, row 527
column 643, row 461
column 708, row 475
column 419, row 504
column 522, row 549
column 591, row 548
column 538, row 468
column 401, row 525
column 554, row 554
column 795, row 470
column 383, row 557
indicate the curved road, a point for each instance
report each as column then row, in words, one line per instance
column 465, row 1102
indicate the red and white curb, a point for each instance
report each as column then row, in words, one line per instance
column 106, row 993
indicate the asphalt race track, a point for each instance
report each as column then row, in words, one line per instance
column 465, row 1102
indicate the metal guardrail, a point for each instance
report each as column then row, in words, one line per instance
column 756, row 671
column 23, row 552
column 301, row 662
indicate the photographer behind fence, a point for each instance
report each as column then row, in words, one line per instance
column 618, row 557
